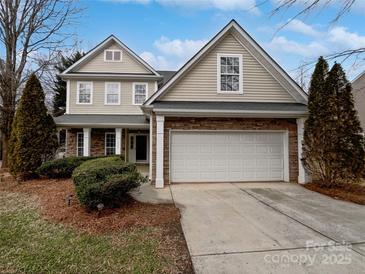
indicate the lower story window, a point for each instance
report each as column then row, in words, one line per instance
column 80, row 144
column 110, row 143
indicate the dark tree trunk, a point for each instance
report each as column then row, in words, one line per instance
column 5, row 142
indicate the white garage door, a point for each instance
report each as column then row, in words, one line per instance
column 198, row 156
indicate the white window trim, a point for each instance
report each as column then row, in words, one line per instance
column 115, row 148
column 240, row 83
column 113, row 61
column 77, row 144
column 134, row 92
column 78, row 92
column 105, row 93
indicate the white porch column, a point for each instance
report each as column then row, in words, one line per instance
column 302, row 177
column 159, row 151
column 87, row 141
column 150, row 150
column 118, row 141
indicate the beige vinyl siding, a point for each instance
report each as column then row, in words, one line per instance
column 128, row 65
column 98, row 107
column 200, row 83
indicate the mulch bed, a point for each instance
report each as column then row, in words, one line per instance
column 351, row 192
column 133, row 214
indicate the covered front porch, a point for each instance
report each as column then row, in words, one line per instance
column 108, row 135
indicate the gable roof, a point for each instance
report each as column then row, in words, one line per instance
column 91, row 53
column 358, row 77
column 295, row 90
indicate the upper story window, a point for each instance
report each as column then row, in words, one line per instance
column 112, row 93
column 229, row 73
column 139, row 93
column 84, row 92
column 112, row 55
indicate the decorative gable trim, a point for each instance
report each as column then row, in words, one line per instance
column 99, row 47
column 298, row 94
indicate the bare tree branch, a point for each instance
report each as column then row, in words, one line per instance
column 32, row 33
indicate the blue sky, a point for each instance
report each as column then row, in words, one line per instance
column 168, row 32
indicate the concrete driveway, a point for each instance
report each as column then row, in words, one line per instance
column 270, row 228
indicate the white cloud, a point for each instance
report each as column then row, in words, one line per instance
column 342, row 38
column 172, row 53
column 299, row 26
column 178, row 47
column 157, row 62
column 322, row 43
column 312, row 49
column 224, row 5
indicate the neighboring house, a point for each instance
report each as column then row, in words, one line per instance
column 358, row 89
column 231, row 113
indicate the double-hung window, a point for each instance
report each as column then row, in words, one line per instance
column 110, row 143
column 112, row 55
column 84, row 92
column 139, row 93
column 112, row 93
column 229, row 73
column 80, row 144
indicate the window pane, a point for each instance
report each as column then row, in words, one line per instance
column 223, row 61
column 109, row 55
column 112, row 98
column 230, row 74
column 112, row 93
column 117, row 56
column 236, row 69
column 110, row 143
column 84, row 92
column 140, row 92
column 80, row 144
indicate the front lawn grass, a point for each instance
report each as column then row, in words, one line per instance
column 30, row 244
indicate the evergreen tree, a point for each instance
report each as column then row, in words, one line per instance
column 33, row 136
column 59, row 99
column 333, row 149
column 350, row 143
column 314, row 127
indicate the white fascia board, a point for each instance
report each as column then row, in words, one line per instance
column 110, row 76
column 112, row 125
column 231, row 113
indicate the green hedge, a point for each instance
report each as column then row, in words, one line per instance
column 61, row 168
column 105, row 181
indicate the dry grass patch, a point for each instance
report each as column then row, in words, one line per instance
column 347, row 192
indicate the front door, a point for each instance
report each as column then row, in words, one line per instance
column 138, row 148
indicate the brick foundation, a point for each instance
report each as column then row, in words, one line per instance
column 226, row 124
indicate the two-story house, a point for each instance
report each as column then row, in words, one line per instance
column 231, row 113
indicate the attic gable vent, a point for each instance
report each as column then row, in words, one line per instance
column 112, row 55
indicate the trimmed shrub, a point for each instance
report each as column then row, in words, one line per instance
column 61, row 168
column 105, row 181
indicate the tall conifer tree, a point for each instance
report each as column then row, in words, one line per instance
column 313, row 150
column 33, row 137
